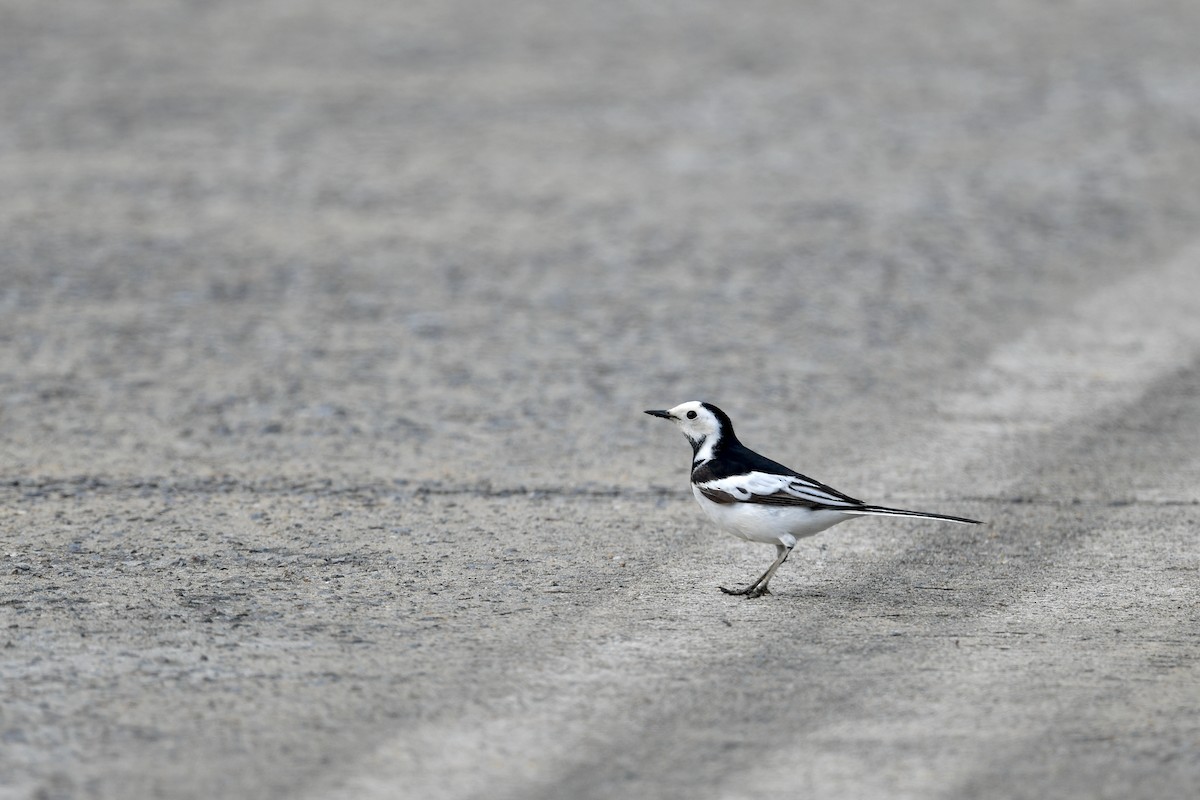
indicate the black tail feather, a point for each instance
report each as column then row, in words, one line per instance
column 883, row 511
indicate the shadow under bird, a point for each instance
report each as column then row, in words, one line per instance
column 758, row 499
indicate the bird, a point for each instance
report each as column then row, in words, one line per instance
column 760, row 500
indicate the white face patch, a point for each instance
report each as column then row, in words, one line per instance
column 700, row 426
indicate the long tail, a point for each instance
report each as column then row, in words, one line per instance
column 880, row 511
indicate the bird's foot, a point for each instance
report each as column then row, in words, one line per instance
column 754, row 590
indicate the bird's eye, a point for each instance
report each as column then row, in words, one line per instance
column 691, row 415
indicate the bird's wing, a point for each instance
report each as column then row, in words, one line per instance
column 763, row 487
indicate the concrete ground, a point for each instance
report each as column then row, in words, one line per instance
column 326, row 328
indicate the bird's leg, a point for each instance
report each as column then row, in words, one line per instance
column 759, row 587
column 784, row 552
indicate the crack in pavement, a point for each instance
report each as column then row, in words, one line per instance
column 32, row 488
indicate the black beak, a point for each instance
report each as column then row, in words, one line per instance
column 663, row 414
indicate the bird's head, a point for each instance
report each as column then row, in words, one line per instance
column 703, row 424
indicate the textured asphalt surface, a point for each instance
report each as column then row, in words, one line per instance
column 326, row 329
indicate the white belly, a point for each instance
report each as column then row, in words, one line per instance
column 768, row 523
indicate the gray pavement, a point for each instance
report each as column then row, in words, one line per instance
column 325, row 331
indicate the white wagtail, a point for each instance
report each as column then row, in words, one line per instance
column 757, row 499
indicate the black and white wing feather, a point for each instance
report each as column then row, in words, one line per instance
column 772, row 489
